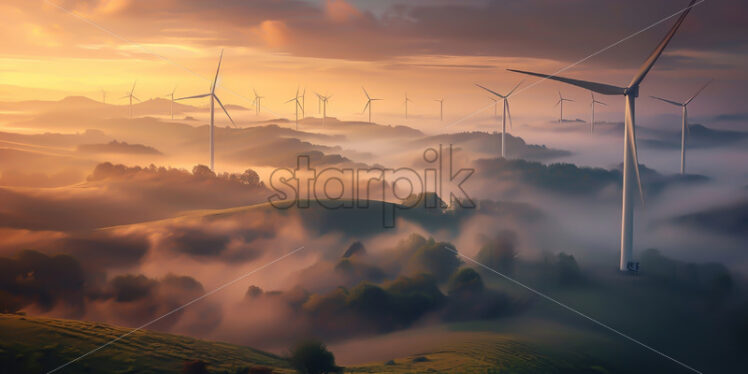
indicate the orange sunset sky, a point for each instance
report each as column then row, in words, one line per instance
column 429, row 49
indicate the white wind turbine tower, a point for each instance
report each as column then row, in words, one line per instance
column 592, row 104
column 172, row 101
column 684, row 127
column 369, row 101
column 131, row 96
column 406, row 101
column 257, row 101
column 441, row 108
column 297, row 104
column 561, row 100
column 506, row 113
column 213, row 100
column 630, row 159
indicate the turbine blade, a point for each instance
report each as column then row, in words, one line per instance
column 509, row 115
column 224, row 110
column 136, row 98
column 515, row 87
column 667, row 101
column 193, row 97
column 558, row 102
column 215, row 80
column 698, row 92
column 365, row 93
column 647, row 65
column 601, row 88
column 133, row 86
column 366, row 106
column 491, row 91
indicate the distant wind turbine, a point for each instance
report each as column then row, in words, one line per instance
column 131, row 96
column 561, row 100
column 257, row 101
column 684, row 128
column 504, row 116
column 441, row 108
column 369, row 101
column 172, row 101
column 303, row 103
column 323, row 100
column 297, row 104
column 103, row 96
column 592, row 104
column 495, row 106
column 630, row 159
column 406, row 101
column 213, row 100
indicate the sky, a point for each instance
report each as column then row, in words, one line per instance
column 429, row 49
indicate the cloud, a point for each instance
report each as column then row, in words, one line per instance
column 341, row 11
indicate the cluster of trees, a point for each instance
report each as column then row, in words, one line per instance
column 108, row 170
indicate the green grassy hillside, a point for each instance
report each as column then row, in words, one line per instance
column 37, row 345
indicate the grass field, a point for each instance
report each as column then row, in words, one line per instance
column 37, row 345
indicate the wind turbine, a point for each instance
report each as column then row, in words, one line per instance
column 495, row 106
column 258, row 101
column 561, row 100
column 213, row 100
column 368, row 103
column 684, row 128
column 506, row 113
column 441, row 108
column 297, row 104
column 630, row 159
column 592, row 104
column 131, row 96
column 103, row 96
column 172, row 101
column 303, row 103
column 323, row 101
column 406, row 101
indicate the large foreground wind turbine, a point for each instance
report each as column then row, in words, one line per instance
column 213, row 100
column 506, row 113
column 684, row 128
column 131, row 96
column 297, row 105
column 172, row 101
column 592, row 104
column 368, row 103
column 561, row 100
column 441, row 108
column 630, row 159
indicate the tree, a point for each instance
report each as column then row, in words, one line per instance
column 312, row 357
column 203, row 171
column 250, row 178
column 465, row 281
column 500, row 253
